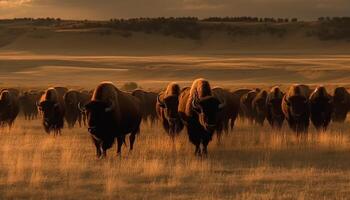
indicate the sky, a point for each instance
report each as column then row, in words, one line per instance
column 106, row 9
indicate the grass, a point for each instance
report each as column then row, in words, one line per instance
column 250, row 163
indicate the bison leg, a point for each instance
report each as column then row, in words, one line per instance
column 205, row 150
column 197, row 151
column 79, row 119
column 120, row 141
column 98, row 147
column 205, row 143
column 133, row 136
column 132, row 140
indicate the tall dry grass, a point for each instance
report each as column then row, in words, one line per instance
column 250, row 163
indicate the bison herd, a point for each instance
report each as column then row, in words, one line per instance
column 111, row 114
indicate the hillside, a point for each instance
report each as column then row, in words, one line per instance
column 184, row 37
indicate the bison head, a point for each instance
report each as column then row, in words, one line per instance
column 99, row 116
column 274, row 107
column 341, row 106
column 207, row 109
column 298, row 106
column 49, row 110
column 170, row 106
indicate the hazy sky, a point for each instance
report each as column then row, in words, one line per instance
column 106, row 9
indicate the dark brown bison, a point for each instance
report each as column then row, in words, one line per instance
column 148, row 105
column 199, row 109
column 167, row 110
column 295, row 106
column 72, row 112
column 246, row 103
column 52, row 107
column 274, row 113
column 112, row 114
column 321, row 108
column 227, row 113
column 84, row 98
column 341, row 103
column 28, row 101
column 259, row 107
column 237, row 95
column 9, row 107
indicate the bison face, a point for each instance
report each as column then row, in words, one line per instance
column 99, row 117
column 49, row 110
column 298, row 106
column 274, row 106
column 260, row 107
column 170, row 106
column 340, row 109
column 208, row 109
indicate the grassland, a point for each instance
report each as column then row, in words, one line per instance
column 250, row 163
column 18, row 69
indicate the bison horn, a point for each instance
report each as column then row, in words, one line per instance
column 110, row 108
column 82, row 109
column 161, row 103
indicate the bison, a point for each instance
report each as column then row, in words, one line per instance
column 167, row 110
column 72, row 112
column 295, row 107
column 28, row 101
column 341, row 103
column 9, row 107
column 199, row 109
column 274, row 113
column 237, row 95
column 84, row 98
column 246, row 103
column 321, row 108
column 112, row 114
column 52, row 107
column 148, row 105
column 259, row 107
column 229, row 112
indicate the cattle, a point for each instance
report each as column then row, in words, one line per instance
column 321, row 108
column 227, row 113
column 167, row 110
column 52, row 107
column 246, row 103
column 9, row 107
column 274, row 113
column 112, row 114
column 237, row 95
column 199, row 110
column 72, row 112
column 295, row 107
column 28, row 101
column 341, row 103
column 259, row 107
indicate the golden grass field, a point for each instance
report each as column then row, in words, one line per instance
column 250, row 163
